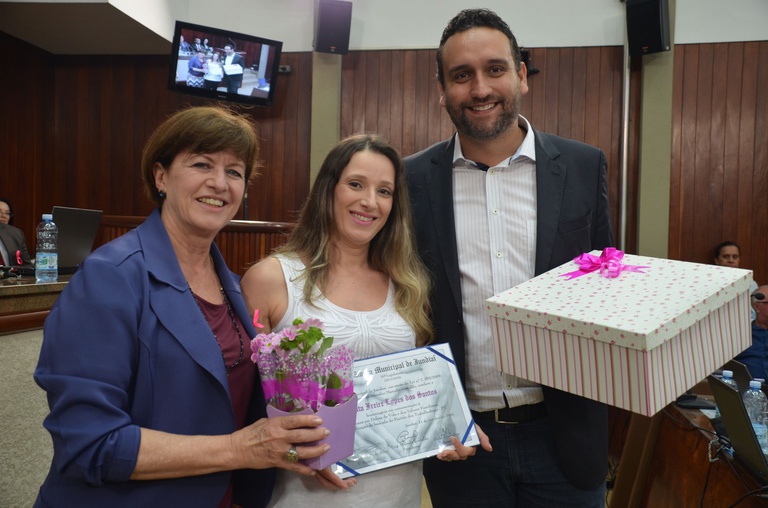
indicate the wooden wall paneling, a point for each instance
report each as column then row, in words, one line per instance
column 408, row 94
column 736, row 183
column 688, row 149
column 579, row 94
column 593, row 111
column 395, row 79
column 349, row 64
column 425, row 88
column 719, row 186
column 719, row 155
column 25, row 129
column 277, row 194
column 676, row 187
column 759, row 247
column 706, row 203
column 548, row 123
column 610, row 135
column 534, row 102
column 633, row 163
column 359, row 98
column 301, row 151
column 384, row 100
column 565, row 92
column 372, row 81
column 749, row 145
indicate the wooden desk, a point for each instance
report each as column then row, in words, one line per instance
column 24, row 304
column 678, row 469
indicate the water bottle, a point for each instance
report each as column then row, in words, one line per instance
column 46, row 255
column 756, row 404
column 727, row 379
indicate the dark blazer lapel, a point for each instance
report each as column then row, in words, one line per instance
column 172, row 300
column 550, row 184
column 440, row 185
column 9, row 243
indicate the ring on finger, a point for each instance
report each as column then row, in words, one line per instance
column 292, row 455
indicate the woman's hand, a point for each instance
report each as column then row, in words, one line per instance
column 265, row 443
column 331, row 480
column 462, row 452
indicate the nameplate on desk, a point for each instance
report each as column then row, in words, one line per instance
column 409, row 405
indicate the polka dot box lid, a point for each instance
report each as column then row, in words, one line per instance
column 635, row 310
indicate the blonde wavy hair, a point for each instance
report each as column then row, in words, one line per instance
column 392, row 251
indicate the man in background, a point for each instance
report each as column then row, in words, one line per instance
column 495, row 205
column 232, row 78
column 755, row 357
column 729, row 254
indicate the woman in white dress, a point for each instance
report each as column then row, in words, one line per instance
column 351, row 262
column 214, row 72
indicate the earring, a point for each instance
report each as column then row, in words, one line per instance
column 162, row 194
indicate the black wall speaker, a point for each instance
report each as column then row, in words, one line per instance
column 334, row 18
column 647, row 26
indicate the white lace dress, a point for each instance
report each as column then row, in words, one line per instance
column 367, row 333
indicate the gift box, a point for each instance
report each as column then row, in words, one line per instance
column 636, row 338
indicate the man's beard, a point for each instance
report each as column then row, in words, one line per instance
column 483, row 131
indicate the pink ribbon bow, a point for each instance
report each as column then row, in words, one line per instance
column 609, row 263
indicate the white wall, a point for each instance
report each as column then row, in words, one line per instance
column 401, row 24
column 699, row 21
column 390, row 24
column 157, row 15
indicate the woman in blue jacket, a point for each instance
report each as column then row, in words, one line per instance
column 146, row 354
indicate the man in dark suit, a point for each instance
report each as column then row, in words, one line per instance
column 495, row 205
column 232, row 80
column 13, row 248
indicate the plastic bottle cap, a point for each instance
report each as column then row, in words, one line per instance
column 47, row 216
column 754, row 384
column 727, row 373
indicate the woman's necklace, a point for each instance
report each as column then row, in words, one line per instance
column 234, row 324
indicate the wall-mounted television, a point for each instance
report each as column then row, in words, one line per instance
column 223, row 65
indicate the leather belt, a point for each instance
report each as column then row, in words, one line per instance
column 511, row 415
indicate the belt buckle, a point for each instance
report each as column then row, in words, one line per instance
column 496, row 417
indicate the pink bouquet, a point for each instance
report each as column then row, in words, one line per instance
column 299, row 370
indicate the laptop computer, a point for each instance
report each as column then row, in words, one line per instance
column 738, row 427
column 77, row 231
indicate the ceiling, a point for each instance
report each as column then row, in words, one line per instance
column 79, row 29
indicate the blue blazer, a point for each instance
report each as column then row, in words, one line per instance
column 572, row 217
column 125, row 346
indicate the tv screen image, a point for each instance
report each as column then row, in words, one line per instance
column 224, row 65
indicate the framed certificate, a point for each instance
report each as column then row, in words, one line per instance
column 409, row 405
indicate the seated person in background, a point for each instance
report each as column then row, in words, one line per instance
column 755, row 357
column 729, row 254
column 184, row 46
column 13, row 248
column 6, row 212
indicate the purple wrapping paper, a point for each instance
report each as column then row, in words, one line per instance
column 340, row 420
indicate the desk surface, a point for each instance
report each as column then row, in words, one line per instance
column 24, row 304
column 680, row 472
